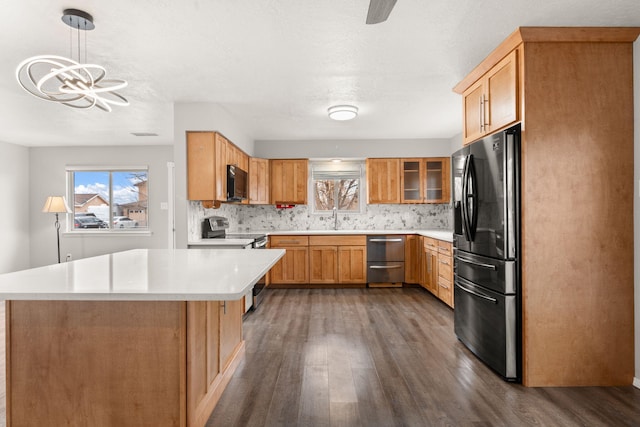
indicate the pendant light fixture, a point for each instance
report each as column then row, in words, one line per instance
column 67, row 81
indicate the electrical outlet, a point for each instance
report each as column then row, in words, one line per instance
column 68, row 257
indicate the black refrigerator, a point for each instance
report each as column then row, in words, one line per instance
column 486, row 197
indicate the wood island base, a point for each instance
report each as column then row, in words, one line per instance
column 124, row 363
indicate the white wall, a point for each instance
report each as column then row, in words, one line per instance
column 193, row 117
column 14, row 215
column 48, row 177
column 353, row 148
column 636, row 206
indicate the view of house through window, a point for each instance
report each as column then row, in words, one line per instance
column 336, row 185
column 105, row 200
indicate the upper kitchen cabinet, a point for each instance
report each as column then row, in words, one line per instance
column 208, row 154
column 412, row 180
column 576, row 255
column 491, row 103
column 288, row 179
column 424, row 180
column 205, row 175
column 437, row 180
column 258, row 181
column 383, row 180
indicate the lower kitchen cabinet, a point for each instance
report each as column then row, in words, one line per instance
column 338, row 259
column 412, row 258
column 323, row 264
column 320, row 260
column 214, row 339
column 293, row 268
column 445, row 275
column 430, row 268
column 352, row 264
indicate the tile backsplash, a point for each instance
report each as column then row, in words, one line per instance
column 376, row 217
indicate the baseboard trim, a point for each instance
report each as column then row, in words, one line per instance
column 636, row 382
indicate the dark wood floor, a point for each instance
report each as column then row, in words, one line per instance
column 387, row 357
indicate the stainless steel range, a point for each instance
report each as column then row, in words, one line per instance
column 215, row 227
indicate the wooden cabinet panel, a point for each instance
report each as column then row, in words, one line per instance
column 338, row 240
column 288, row 240
column 258, row 181
column 323, row 264
column 445, row 291
column 383, row 180
column 220, row 172
column 412, row 258
column 473, row 104
column 352, row 264
column 502, row 90
column 230, row 330
column 444, row 247
column 201, row 179
column 431, row 265
column 293, row 268
column 203, row 354
column 288, row 179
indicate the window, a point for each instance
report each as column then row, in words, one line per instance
column 110, row 199
column 336, row 185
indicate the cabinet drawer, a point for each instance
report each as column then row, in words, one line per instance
column 279, row 241
column 445, row 291
column 444, row 266
column 431, row 243
column 338, row 240
column 444, row 247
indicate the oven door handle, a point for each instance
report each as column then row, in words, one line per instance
column 472, row 292
column 260, row 244
column 384, row 267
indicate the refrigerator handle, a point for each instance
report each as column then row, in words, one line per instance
column 473, row 195
column 464, row 205
column 476, row 293
column 477, row 264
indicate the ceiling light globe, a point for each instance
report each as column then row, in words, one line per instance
column 343, row 112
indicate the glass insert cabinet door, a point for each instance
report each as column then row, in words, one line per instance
column 412, row 181
column 437, row 180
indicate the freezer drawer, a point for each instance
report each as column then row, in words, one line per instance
column 487, row 323
column 385, row 271
column 385, row 248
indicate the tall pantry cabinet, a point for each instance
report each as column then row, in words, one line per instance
column 574, row 97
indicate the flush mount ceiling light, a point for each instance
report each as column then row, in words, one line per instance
column 70, row 82
column 343, row 112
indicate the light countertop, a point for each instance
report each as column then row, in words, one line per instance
column 145, row 275
column 436, row 234
column 221, row 242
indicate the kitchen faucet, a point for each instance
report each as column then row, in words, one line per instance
column 335, row 218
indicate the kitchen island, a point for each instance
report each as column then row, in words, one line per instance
column 142, row 337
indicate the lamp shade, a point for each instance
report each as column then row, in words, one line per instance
column 56, row 204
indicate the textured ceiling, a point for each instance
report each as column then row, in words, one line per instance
column 274, row 65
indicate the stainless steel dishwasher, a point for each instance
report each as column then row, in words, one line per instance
column 385, row 260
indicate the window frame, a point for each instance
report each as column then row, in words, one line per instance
column 361, row 187
column 109, row 231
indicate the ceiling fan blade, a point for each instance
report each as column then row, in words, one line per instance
column 379, row 10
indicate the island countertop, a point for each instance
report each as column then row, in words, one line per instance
column 145, row 275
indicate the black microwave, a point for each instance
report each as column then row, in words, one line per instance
column 237, row 184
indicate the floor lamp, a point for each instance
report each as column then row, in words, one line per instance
column 56, row 205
